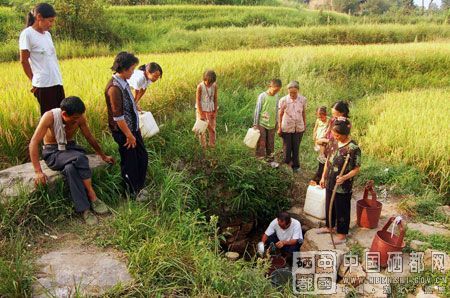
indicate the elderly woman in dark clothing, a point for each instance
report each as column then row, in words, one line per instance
column 123, row 120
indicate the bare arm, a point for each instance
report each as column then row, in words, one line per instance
column 304, row 118
column 347, row 176
column 215, row 100
column 314, row 133
column 86, row 132
column 198, row 101
column 325, row 170
column 139, row 94
column 280, row 119
column 24, row 56
column 290, row 242
column 44, row 124
column 115, row 95
column 264, row 238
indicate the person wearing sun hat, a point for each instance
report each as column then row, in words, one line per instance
column 292, row 123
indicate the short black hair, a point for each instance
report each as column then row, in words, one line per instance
column 284, row 216
column 151, row 68
column 124, row 61
column 322, row 110
column 342, row 126
column 73, row 105
column 276, row 82
column 44, row 9
column 342, row 107
column 209, row 76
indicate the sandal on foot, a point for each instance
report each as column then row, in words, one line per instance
column 99, row 207
column 338, row 241
column 323, row 231
column 89, row 218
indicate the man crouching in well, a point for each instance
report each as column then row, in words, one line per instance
column 57, row 128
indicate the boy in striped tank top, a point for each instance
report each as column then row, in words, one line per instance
column 206, row 106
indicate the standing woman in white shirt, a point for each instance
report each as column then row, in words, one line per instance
column 38, row 57
column 143, row 77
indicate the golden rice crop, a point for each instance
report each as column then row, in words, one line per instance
column 410, row 127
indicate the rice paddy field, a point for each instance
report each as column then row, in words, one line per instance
column 394, row 76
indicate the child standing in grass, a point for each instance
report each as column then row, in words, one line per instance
column 206, row 106
column 320, row 141
column 265, row 119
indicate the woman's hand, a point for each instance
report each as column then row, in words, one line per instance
column 131, row 142
column 322, row 183
column 280, row 133
column 340, row 179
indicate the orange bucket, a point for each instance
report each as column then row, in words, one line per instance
column 368, row 211
column 385, row 242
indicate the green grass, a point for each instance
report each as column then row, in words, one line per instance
column 437, row 242
column 173, row 28
column 414, row 135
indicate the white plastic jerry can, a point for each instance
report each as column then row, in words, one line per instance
column 147, row 124
column 315, row 202
column 252, row 137
column 200, row 126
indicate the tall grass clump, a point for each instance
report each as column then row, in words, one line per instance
column 407, row 127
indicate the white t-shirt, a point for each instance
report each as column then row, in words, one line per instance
column 138, row 80
column 43, row 61
column 294, row 231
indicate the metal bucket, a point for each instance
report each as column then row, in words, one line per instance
column 384, row 242
column 368, row 211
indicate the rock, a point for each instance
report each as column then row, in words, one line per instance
column 305, row 219
column 436, row 224
column 441, row 259
column 364, row 237
column 417, row 245
column 90, row 272
column 246, row 228
column 20, row 179
column 238, row 246
column 421, row 294
column 352, row 276
column 232, row 256
column 445, row 209
column 428, row 230
column 376, row 285
column 313, row 241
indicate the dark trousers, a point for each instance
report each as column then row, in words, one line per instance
column 287, row 248
column 266, row 143
column 340, row 214
column 318, row 176
column 133, row 161
column 49, row 97
column 74, row 165
column 291, row 145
